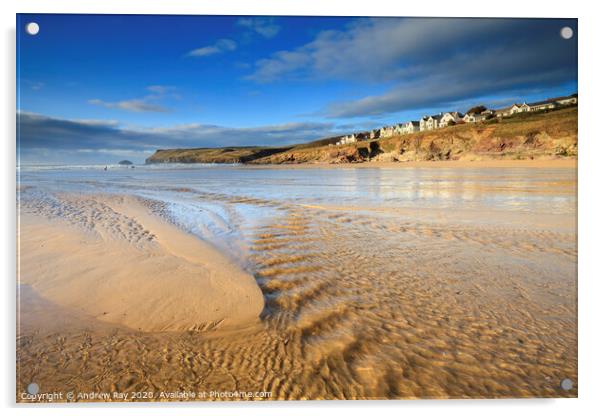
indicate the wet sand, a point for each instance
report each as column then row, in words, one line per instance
column 462, row 163
column 359, row 302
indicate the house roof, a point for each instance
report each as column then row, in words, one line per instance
column 553, row 100
column 507, row 108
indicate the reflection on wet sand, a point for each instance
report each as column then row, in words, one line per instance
column 377, row 284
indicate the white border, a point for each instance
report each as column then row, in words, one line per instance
column 590, row 190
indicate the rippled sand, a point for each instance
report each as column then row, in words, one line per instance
column 360, row 303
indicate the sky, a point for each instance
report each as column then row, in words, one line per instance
column 102, row 88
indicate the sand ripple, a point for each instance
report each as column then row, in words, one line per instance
column 357, row 305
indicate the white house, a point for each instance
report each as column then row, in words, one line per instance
column 543, row 105
column 553, row 103
column 398, row 129
column 503, row 112
column 410, row 127
column 430, row 122
column 433, row 122
column 445, row 119
column 513, row 109
column 520, row 108
column 350, row 138
column 387, row 131
column 473, row 118
column 570, row 100
column 449, row 118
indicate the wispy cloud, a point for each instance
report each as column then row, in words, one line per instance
column 428, row 62
column 68, row 139
column 160, row 89
column 264, row 26
column 221, row 46
column 148, row 103
column 136, row 105
column 37, row 86
column 34, row 85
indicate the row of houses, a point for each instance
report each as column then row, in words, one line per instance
column 454, row 117
column 537, row 106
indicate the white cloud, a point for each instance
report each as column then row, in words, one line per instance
column 33, row 85
column 70, row 138
column 221, row 46
column 370, row 49
column 160, row 89
column 141, row 105
column 422, row 62
column 37, row 86
column 147, row 103
column 262, row 25
column 214, row 135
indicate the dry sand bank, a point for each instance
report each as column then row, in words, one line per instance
column 118, row 263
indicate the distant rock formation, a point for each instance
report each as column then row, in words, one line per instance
column 126, row 162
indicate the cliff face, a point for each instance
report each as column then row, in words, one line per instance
column 524, row 136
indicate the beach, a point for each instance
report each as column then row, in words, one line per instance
column 132, row 269
column 368, row 281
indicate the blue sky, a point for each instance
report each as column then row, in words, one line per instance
column 99, row 88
